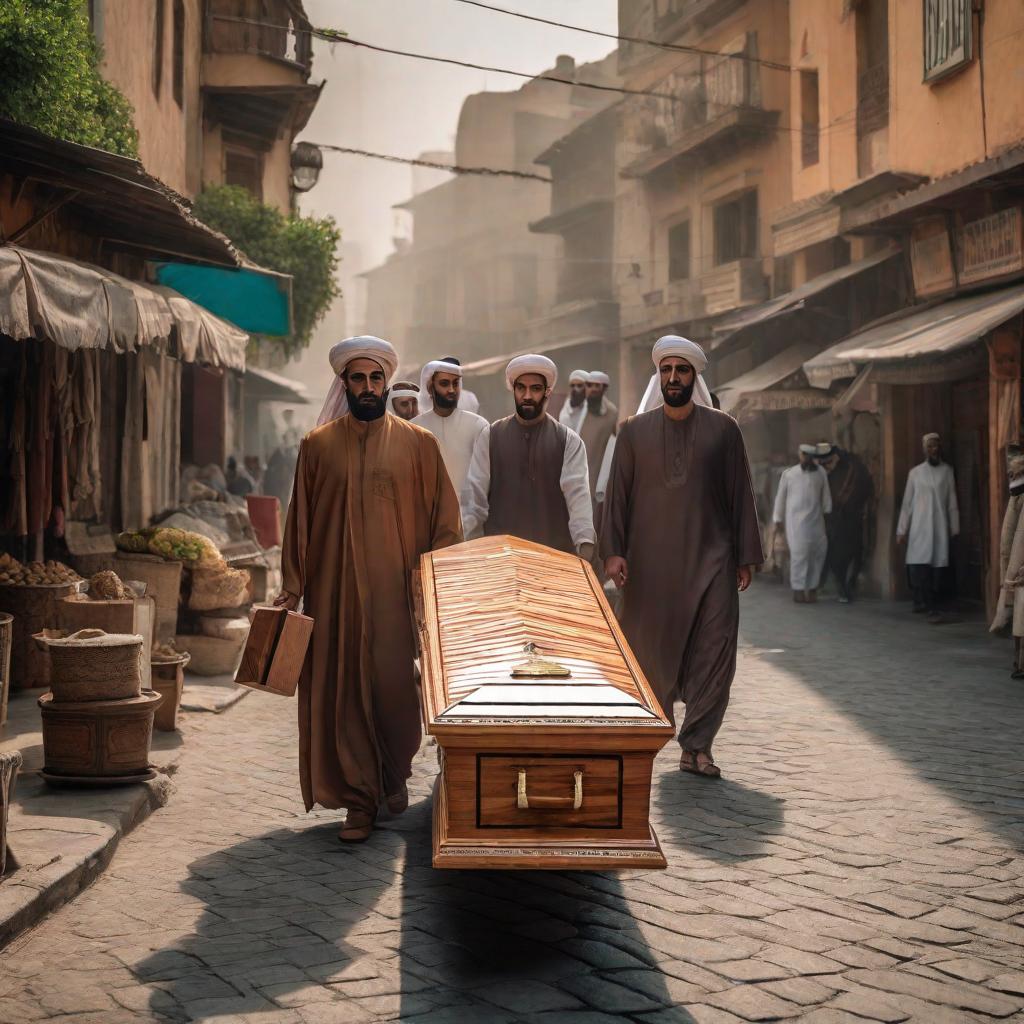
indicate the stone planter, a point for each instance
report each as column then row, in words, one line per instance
column 169, row 681
column 98, row 742
column 10, row 762
column 91, row 665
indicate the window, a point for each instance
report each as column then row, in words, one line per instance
column 872, row 66
column 809, row 118
column 179, row 52
column 679, row 251
column 948, row 40
column 159, row 17
column 244, row 167
column 735, row 227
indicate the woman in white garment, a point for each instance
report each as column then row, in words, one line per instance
column 801, row 504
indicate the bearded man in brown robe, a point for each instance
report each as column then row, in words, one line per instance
column 680, row 538
column 371, row 495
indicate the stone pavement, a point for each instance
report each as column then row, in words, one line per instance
column 861, row 860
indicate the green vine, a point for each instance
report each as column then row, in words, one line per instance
column 50, row 77
column 305, row 247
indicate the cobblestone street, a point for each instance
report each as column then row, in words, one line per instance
column 861, row 859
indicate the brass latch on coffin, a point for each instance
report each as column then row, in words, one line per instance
column 536, row 667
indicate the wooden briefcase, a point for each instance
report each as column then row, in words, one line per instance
column 275, row 651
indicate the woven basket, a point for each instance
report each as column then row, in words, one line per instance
column 34, row 608
column 93, row 665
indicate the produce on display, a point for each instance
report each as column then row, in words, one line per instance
column 173, row 545
column 107, row 586
column 34, row 574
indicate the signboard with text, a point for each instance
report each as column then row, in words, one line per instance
column 991, row 246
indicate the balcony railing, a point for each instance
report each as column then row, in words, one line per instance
column 269, row 28
column 872, row 99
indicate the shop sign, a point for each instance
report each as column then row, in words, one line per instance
column 991, row 246
column 931, row 257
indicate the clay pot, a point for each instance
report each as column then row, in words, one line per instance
column 89, row 741
column 91, row 665
column 169, row 681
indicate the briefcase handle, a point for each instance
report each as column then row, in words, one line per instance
column 549, row 803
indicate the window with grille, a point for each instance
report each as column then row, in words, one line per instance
column 948, row 36
column 809, row 118
column 735, row 225
column 245, row 168
column 679, row 251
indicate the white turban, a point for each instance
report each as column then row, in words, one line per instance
column 929, row 438
column 808, row 449
column 344, row 352
column 579, row 377
column 427, row 375
column 396, row 392
column 682, row 348
column 531, row 364
column 600, row 377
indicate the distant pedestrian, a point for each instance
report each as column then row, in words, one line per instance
column 528, row 477
column 600, row 423
column 575, row 408
column 851, row 488
column 1010, row 607
column 468, row 401
column 801, row 505
column 404, row 399
column 680, row 539
column 929, row 518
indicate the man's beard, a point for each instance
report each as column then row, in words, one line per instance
column 807, row 466
column 576, row 398
column 677, row 399
column 367, row 406
column 529, row 411
column 934, row 460
column 445, row 401
column 594, row 403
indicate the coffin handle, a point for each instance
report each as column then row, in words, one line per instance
column 549, row 803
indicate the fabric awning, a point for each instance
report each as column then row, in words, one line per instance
column 767, row 375
column 934, row 333
column 257, row 300
column 78, row 305
column 263, row 385
column 796, row 299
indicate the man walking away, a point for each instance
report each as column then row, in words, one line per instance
column 371, row 495
column 680, row 538
column 851, row 489
column 801, row 505
column 929, row 517
column 528, row 477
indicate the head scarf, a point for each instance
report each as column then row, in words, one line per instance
column 683, row 348
column 403, row 389
column 929, row 437
column 599, row 377
column 823, row 449
column 531, row 364
column 579, row 377
column 808, row 449
column 427, row 375
column 344, row 352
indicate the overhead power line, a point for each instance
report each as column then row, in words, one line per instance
column 335, row 36
column 657, row 44
column 493, row 172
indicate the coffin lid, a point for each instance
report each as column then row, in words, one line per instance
column 498, row 604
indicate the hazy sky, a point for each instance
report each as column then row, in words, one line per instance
column 398, row 105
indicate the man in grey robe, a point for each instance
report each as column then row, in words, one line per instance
column 680, row 537
column 528, row 476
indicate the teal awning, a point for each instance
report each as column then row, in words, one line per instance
column 258, row 301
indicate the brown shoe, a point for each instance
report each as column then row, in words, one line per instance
column 798, row 597
column 811, row 596
column 398, row 802
column 357, row 828
column 699, row 763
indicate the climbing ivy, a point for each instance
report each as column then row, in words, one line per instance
column 305, row 247
column 50, row 77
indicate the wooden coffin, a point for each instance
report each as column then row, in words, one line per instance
column 547, row 729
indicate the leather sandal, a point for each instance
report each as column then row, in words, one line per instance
column 357, row 828
column 690, row 762
column 398, row 802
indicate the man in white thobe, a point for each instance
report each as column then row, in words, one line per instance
column 801, row 505
column 456, row 429
column 574, row 411
column 404, row 399
column 528, row 476
column 929, row 517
